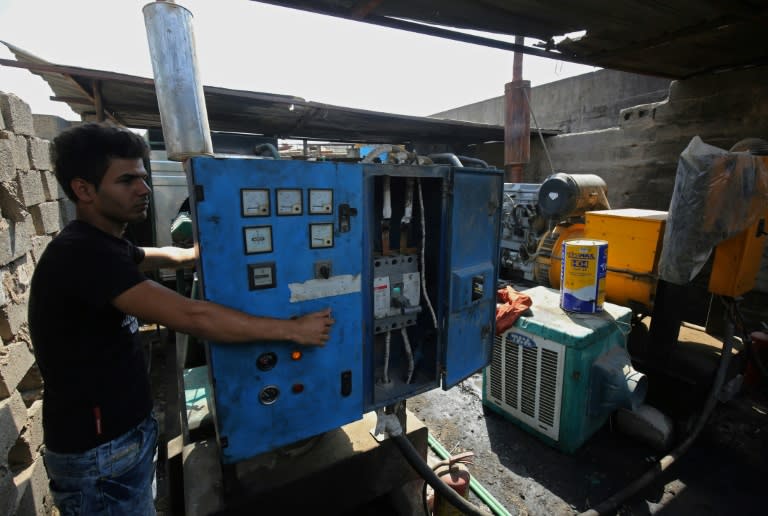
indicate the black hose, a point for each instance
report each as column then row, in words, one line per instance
column 450, row 158
column 473, row 161
column 665, row 462
column 425, row 472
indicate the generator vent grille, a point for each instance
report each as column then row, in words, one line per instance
column 525, row 380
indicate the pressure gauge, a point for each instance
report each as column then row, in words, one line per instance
column 258, row 239
column 254, row 202
column 289, row 201
column 320, row 236
column 320, row 201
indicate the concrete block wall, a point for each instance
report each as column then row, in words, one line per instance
column 33, row 210
column 635, row 149
column 589, row 102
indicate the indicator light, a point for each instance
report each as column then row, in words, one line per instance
column 297, row 388
column 296, row 355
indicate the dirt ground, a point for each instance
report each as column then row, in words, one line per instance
column 724, row 472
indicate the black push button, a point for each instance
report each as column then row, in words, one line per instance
column 346, row 383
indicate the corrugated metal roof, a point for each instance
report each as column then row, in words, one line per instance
column 131, row 101
column 675, row 38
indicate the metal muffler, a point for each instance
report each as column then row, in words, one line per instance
column 179, row 90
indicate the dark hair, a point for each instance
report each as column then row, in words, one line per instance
column 85, row 151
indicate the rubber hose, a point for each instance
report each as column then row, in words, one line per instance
column 665, row 462
column 425, row 472
column 452, row 159
column 267, row 146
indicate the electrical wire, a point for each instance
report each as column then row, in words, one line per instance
column 387, row 341
column 423, row 261
column 422, row 468
column 408, row 354
column 538, row 129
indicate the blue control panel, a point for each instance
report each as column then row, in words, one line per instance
column 405, row 257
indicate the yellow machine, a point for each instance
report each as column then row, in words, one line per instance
column 634, row 242
column 737, row 261
column 636, row 236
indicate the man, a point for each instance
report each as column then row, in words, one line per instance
column 86, row 296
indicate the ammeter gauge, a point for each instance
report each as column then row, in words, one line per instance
column 289, row 201
column 254, row 202
column 320, row 201
column 320, row 236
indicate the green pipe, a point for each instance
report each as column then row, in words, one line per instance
column 474, row 485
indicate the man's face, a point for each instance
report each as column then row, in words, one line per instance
column 123, row 194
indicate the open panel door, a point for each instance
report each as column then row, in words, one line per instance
column 473, row 234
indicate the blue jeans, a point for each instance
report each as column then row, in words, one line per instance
column 112, row 479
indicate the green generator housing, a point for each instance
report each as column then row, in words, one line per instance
column 543, row 374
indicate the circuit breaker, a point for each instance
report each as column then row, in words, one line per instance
column 405, row 256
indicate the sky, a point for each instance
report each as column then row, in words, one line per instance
column 251, row 46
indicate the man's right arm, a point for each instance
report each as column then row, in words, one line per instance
column 151, row 302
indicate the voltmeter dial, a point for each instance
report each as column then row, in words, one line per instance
column 258, row 239
column 320, row 236
column 320, row 201
column 289, row 201
column 255, row 202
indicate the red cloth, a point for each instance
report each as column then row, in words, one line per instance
column 511, row 305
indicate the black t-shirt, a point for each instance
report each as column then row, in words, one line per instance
column 89, row 353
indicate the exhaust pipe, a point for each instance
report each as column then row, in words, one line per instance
column 179, row 90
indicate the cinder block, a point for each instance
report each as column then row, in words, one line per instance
column 7, row 168
column 12, row 316
column 23, row 268
column 47, row 217
column 20, row 152
column 11, row 201
column 6, row 278
column 5, row 241
column 40, row 154
column 31, row 187
column 52, row 188
column 39, row 243
column 17, row 114
column 13, row 415
column 21, row 236
column 9, row 495
column 15, row 361
column 31, row 386
column 33, row 495
column 27, row 446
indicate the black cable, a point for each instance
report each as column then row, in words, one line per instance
column 440, row 487
column 612, row 503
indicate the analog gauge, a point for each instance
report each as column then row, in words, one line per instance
column 289, row 202
column 261, row 275
column 255, row 202
column 320, row 236
column 258, row 239
column 320, row 201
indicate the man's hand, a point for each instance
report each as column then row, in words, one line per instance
column 312, row 329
